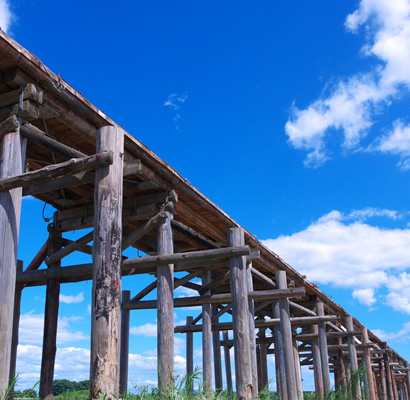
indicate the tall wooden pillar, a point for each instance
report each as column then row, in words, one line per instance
column 355, row 382
column 227, row 357
column 240, row 318
column 165, row 311
column 107, row 257
column 12, row 161
column 252, row 336
column 125, row 343
column 280, row 367
column 207, row 337
column 368, row 363
column 16, row 323
column 286, row 330
column 323, row 348
column 383, row 382
column 190, row 353
column 263, row 361
column 387, row 372
column 317, row 365
column 406, row 364
column 341, row 366
column 298, row 371
column 216, row 340
column 50, row 321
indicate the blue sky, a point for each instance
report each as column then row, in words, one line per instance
column 291, row 116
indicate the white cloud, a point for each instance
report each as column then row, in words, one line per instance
column 351, row 105
column 174, row 102
column 400, row 336
column 148, row 330
column 346, row 252
column 6, row 16
column 78, row 298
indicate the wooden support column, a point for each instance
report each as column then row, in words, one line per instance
column 125, row 343
column 280, row 367
column 368, row 363
column 12, row 161
column 165, row 307
column 105, row 323
column 317, row 365
column 240, row 317
column 207, row 338
column 286, row 330
column 252, row 337
column 320, row 311
column 190, row 353
column 355, row 382
column 298, row 371
column 387, row 373
column 50, row 321
column 263, row 361
column 16, row 322
column 217, row 352
column 227, row 356
column 342, row 383
column 406, row 364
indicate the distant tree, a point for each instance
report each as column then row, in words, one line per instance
column 82, row 385
column 63, row 385
column 29, row 394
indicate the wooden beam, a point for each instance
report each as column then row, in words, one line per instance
column 12, row 156
column 70, row 167
column 215, row 283
column 29, row 92
column 106, row 298
column 38, row 258
column 193, row 235
column 165, row 310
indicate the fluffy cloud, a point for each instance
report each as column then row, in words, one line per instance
column 351, row 104
column 401, row 336
column 174, row 102
column 345, row 251
column 148, row 329
column 6, row 16
column 78, row 298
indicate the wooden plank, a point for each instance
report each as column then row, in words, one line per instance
column 70, row 167
column 105, row 327
column 320, row 310
column 165, row 311
column 12, row 156
column 216, row 342
column 206, row 337
column 228, row 371
column 240, row 317
column 50, row 323
column 125, row 343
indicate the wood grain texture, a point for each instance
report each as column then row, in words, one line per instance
column 12, row 156
column 105, row 327
column 228, row 370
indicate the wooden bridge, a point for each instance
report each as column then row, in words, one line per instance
column 52, row 138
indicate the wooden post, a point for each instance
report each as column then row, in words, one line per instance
column 190, row 353
column 165, row 310
column 227, row 357
column 240, row 317
column 354, row 381
column 105, row 323
column 317, row 365
column 369, row 371
column 323, row 349
column 406, row 364
column 387, row 373
column 12, row 162
column 286, row 330
column 263, row 361
column 16, row 322
column 341, row 365
column 217, row 353
column 383, row 383
column 50, row 321
column 298, row 371
column 252, row 338
column 207, row 338
column 125, row 343
column 281, row 386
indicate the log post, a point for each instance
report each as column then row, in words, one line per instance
column 217, row 352
column 105, row 323
column 125, row 343
column 189, row 355
column 354, row 379
column 12, row 161
column 286, row 330
column 341, row 365
column 298, row 371
column 406, row 364
column 240, row 317
column 323, row 349
column 50, row 321
column 387, row 373
column 382, row 374
column 317, row 365
column 263, row 355
column 368, row 363
column 252, row 337
column 165, row 308
column 281, row 386
column 227, row 356
column 16, row 322
column 207, row 338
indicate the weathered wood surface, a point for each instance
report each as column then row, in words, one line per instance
column 370, row 388
column 240, row 317
column 165, row 310
column 125, row 343
column 221, row 298
column 10, row 124
column 329, row 335
column 317, row 364
column 137, row 265
column 279, row 355
column 29, row 92
column 323, row 349
column 206, row 337
column 298, row 371
column 50, row 323
column 216, row 342
column 105, row 327
column 227, row 357
column 353, row 356
column 189, row 352
column 70, row 167
column 12, row 156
